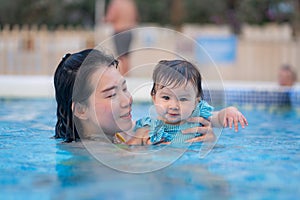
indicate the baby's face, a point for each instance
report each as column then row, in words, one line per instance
column 175, row 104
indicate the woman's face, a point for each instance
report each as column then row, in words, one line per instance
column 110, row 104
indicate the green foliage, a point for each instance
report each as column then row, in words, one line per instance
column 154, row 11
column 81, row 12
column 50, row 12
column 205, row 11
column 263, row 11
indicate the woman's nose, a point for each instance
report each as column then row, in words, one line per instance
column 126, row 100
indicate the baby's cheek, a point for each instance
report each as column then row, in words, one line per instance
column 159, row 109
column 188, row 111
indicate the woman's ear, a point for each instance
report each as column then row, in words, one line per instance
column 79, row 110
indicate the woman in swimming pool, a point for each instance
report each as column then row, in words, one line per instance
column 92, row 96
column 90, row 93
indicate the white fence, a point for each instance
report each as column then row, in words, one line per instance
column 37, row 51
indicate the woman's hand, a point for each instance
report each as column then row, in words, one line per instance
column 141, row 137
column 206, row 130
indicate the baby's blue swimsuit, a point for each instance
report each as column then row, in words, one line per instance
column 159, row 131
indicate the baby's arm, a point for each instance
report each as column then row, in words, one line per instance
column 227, row 117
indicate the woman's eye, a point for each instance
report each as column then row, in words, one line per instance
column 111, row 95
column 125, row 89
column 183, row 99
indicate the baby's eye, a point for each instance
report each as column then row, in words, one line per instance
column 125, row 89
column 183, row 99
column 165, row 97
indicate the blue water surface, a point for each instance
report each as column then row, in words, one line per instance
column 259, row 162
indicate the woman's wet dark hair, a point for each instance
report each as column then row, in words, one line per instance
column 71, row 82
column 176, row 73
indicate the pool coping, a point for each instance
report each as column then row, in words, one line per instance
column 42, row 87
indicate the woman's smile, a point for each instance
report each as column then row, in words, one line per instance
column 126, row 116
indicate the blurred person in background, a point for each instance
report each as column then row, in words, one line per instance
column 286, row 76
column 123, row 16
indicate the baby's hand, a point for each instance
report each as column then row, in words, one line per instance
column 233, row 117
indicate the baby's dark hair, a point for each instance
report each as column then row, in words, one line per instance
column 176, row 73
column 73, row 85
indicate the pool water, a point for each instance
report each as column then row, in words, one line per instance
column 259, row 162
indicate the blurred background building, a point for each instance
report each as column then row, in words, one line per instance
column 248, row 39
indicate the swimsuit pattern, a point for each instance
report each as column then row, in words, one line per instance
column 159, row 131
